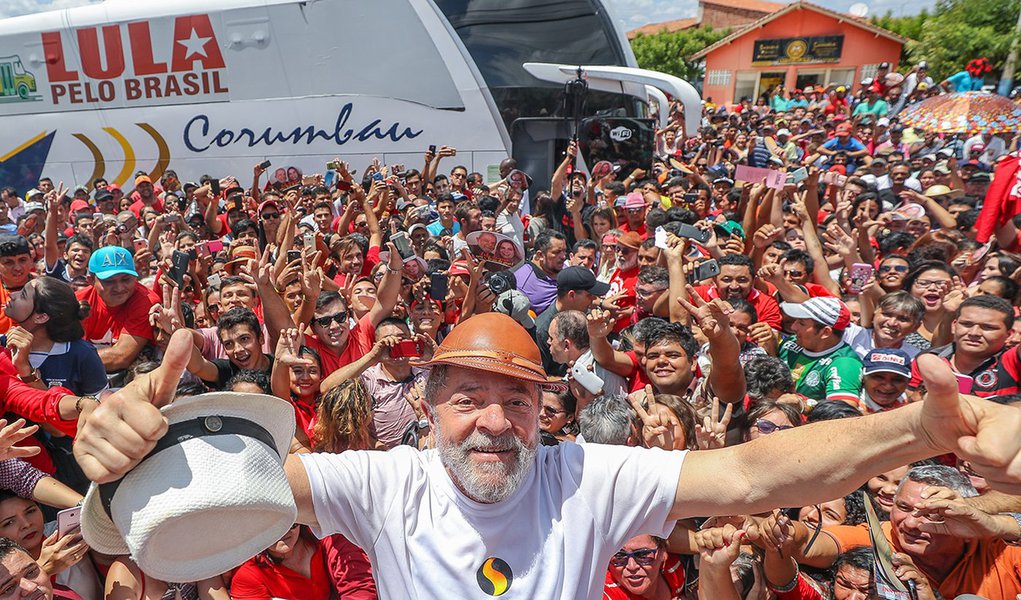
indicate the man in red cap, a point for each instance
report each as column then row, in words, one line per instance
column 844, row 143
column 146, row 196
column 470, row 516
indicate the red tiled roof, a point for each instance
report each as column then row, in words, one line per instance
column 800, row 4
column 755, row 5
column 666, row 26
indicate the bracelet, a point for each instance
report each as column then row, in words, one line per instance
column 78, row 402
column 32, row 377
column 389, row 270
column 786, row 588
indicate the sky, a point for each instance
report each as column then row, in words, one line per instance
column 632, row 13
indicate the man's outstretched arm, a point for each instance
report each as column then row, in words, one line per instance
column 827, row 460
column 297, row 476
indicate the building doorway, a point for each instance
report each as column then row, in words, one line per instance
column 769, row 80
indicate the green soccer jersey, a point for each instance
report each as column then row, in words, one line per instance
column 833, row 374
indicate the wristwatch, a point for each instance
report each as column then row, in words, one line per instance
column 78, row 402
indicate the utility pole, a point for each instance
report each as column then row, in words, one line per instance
column 1007, row 78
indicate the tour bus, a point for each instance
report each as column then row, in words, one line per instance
column 126, row 86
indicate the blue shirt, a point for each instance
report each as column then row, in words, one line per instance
column 964, row 82
column 75, row 365
column 436, row 229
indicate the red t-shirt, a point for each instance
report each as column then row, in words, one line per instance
column 104, row 325
column 673, row 573
column 625, row 227
column 624, row 281
column 766, row 306
column 261, row 579
column 359, row 341
column 638, row 378
column 137, row 206
column 371, row 260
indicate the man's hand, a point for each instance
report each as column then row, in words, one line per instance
column 116, row 435
column 657, row 432
column 600, row 323
column 719, row 547
column 905, row 570
column 712, row 317
column 287, row 350
column 983, row 433
column 959, row 519
column 766, row 235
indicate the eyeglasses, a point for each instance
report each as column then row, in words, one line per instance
column 549, row 411
column 928, row 283
column 767, row 427
column 643, row 556
column 338, row 318
column 897, row 268
column 646, row 292
column 635, row 211
column 268, row 216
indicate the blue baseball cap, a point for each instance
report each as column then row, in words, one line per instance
column 887, row 360
column 111, row 260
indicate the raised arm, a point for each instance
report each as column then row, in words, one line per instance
column 713, row 318
column 600, row 324
column 560, row 175
column 835, row 458
column 52, row 252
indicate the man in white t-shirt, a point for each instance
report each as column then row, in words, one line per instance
column 489, row 511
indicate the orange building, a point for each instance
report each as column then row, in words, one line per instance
column 800, row 44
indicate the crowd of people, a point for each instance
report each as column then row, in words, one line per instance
column 675, row 306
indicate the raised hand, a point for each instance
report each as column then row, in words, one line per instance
column 719, row 547
column 657, row 432
column 600, row 323
column 114, row 437
column 712, row 432
column 983, row 433
column 287, row 349
column 13, row 433
column 766, row 235
column 712, row 317
column 61, row 553
column 19, row 342
column 905, row 570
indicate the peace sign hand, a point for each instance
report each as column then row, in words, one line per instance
column 712, row 433
column 657, row 432
column 712, row 317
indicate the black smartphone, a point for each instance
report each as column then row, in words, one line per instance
column 706, row 270
column 179, row 263
column 432, row 148
column 693, row 233
column 265, row 165
column 438, row 286
column 214, row 184
column 182, row 203
column 293, row 255
column 690, row 198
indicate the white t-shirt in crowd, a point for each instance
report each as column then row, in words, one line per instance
column 860, row 339
column 552, row 538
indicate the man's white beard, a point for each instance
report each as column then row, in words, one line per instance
column 489, row 482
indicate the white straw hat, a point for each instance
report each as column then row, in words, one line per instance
column 211, row 495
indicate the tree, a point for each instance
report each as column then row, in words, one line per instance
column 961, row 30
column 670, row 52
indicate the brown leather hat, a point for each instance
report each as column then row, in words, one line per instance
column 491, row 342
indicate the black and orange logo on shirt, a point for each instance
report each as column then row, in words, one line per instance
column 494, row 576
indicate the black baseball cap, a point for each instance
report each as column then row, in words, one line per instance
column 580, row 279
column 102, row 195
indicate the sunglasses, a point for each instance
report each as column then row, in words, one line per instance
column 643, row 556
column 794, row 273
column 268, row 216
column 898, row 268
column 767, row 427
column 338, row 318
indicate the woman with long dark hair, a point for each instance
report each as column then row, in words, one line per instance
column 46, row 345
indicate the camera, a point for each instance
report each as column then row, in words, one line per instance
column 500, row 281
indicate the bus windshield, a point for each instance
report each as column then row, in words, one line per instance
column 501, row 35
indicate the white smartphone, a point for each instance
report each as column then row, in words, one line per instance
column 661, row 238
column 68, row 520
column 587, row 379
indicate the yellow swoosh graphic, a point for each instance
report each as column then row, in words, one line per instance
column 129, row 156
column 99, row 163
column 164, row 151
column 22, row 147
column 495, row 577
